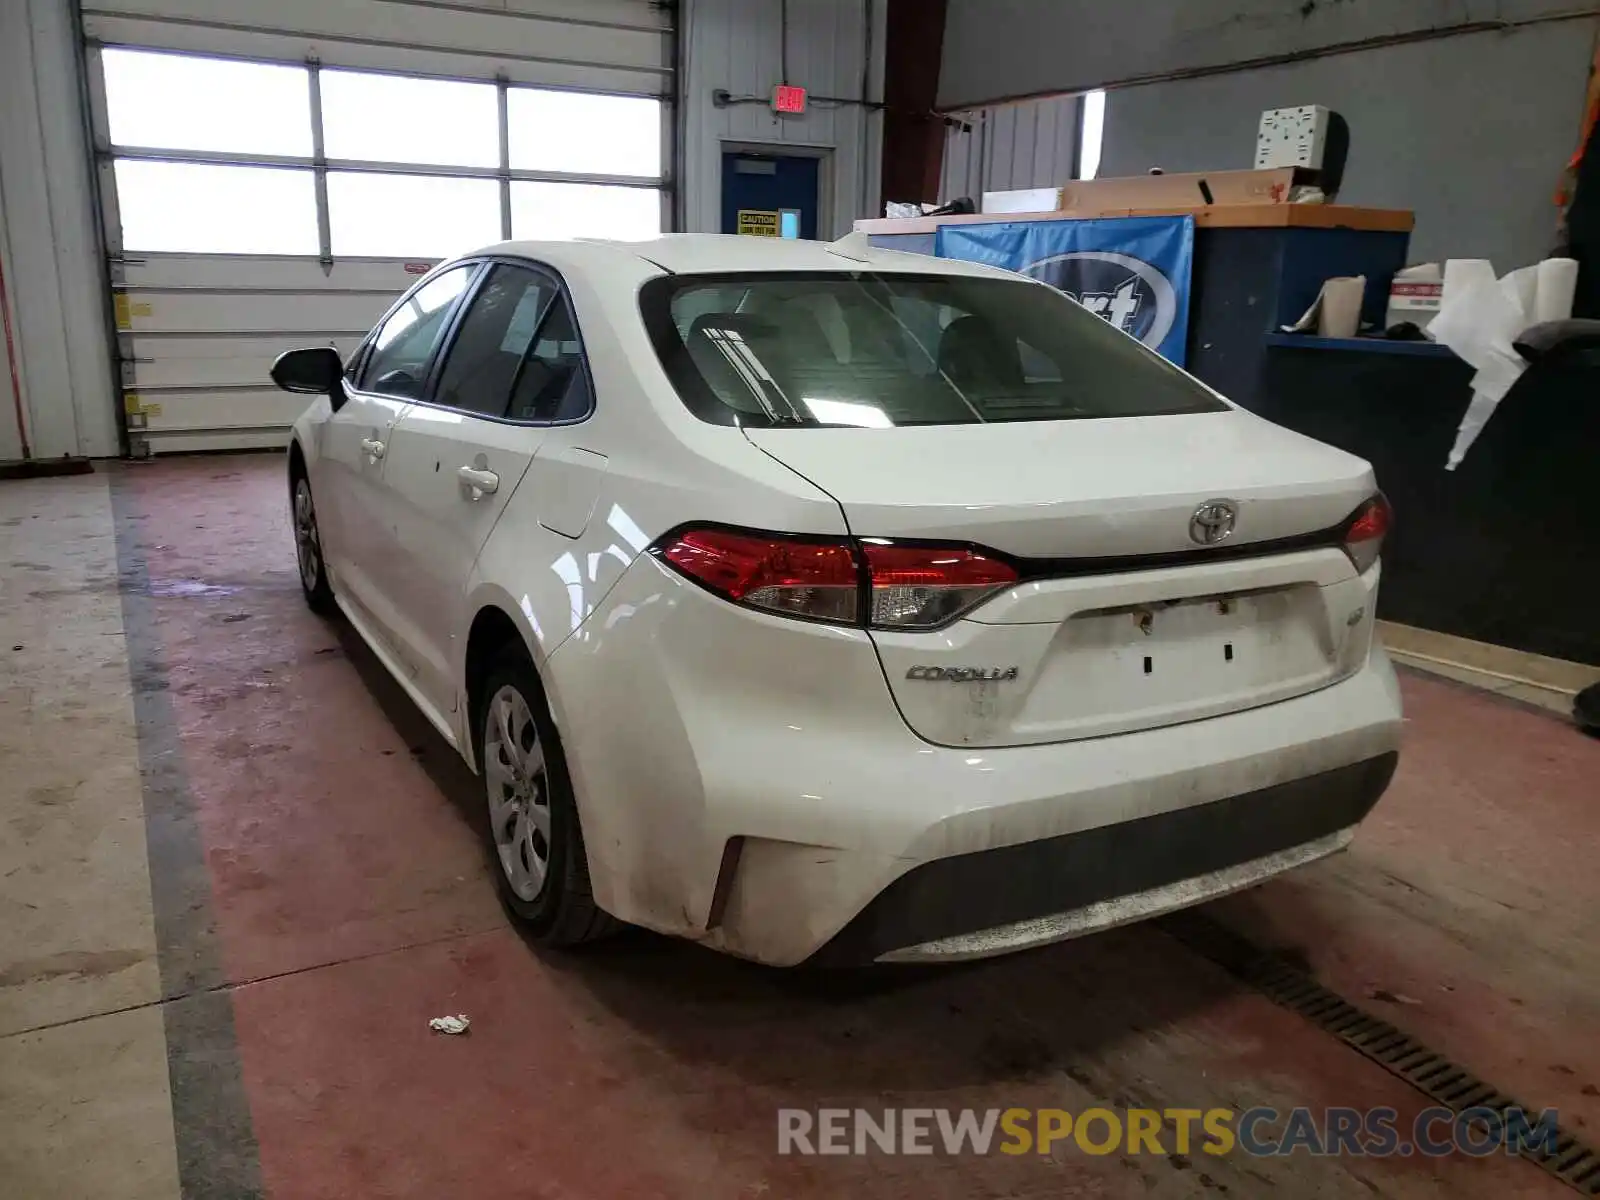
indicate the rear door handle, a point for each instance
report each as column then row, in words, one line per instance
column 478, row 482
column 372, row 446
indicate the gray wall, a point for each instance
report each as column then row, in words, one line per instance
column 1005, row 49
column 1012, row 146
column 54, row 278
column 734, row 44
column 1471, row 132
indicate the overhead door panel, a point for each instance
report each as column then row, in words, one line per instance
column 197, row 350
column 219, row 360
column 275, row 175
column 621, row 46
column 197, row 309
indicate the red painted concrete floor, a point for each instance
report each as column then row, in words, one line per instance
column 352, row 902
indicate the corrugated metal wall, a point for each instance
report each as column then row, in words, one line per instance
column 1009, row 147
column 835, row 49
column 54, row 275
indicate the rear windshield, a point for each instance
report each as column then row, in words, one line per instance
column 873, row 350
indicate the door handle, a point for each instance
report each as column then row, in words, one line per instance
column 373, row 447
column 478, row 482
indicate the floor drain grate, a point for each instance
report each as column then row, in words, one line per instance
column 1452, row 1085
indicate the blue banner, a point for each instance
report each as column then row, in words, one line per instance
column 1133, row 271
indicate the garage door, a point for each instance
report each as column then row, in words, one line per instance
column 254, row 204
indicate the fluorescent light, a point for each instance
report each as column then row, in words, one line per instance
column 1092, row 133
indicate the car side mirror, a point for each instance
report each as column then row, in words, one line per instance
column 313, row 371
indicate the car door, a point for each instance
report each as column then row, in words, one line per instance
column 357, row 537
column 513, row 365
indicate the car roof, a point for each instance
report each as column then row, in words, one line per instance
column 713, row 253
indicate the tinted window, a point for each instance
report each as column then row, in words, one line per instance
column 553, row 385
column 880, row 350
column 403, row 344
column 493, row 337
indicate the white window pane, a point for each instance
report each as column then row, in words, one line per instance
column 584, row 134
column 219, row 210
column 550, row 211
column 176, row 102
column 393, row 118
column 417, row 216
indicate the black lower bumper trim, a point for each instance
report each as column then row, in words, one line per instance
column 969, row 893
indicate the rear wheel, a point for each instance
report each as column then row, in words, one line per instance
column 541, row 869
column 308, row 548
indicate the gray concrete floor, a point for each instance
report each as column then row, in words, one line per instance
column 84, row 1106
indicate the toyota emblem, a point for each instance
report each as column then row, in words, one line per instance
column 1213, row 522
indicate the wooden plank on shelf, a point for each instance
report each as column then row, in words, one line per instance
column 1214, row 216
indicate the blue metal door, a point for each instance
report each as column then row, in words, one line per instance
column 784, row 186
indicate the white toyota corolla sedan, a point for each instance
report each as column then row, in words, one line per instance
column 827, row 604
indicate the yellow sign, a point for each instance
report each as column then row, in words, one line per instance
column 758, row 222
column 127, row 310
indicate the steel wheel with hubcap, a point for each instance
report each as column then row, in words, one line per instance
column 542, row 872
column 308, row 549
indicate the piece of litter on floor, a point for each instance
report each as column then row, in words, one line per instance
column 1389, row 997
column 455, row 1024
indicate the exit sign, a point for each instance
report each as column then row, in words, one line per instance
column 787, row 99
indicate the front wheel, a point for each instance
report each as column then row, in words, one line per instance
column 541, row 869
column 308, row 549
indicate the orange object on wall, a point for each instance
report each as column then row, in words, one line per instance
column 1590, row 115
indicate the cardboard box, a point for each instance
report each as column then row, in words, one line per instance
column 1173, row 191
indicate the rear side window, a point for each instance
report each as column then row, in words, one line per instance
column 397, row 365
column 487, row 350
column 873, row 350
column 553, row 385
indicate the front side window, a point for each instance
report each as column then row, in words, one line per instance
column 398, row 362
column 494, row 337
column 872, row 350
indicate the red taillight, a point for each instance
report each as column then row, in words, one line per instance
column 793, row 576
column 1363, row 537
column 922, row 587
column 910, row 586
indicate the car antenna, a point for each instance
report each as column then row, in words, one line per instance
column 855, row 246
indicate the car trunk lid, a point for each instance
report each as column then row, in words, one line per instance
column 1122, row 619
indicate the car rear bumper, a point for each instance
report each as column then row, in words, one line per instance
column 1013, row 897
column 745, row 780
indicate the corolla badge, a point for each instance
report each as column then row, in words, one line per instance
column 1213, row 522
column 963, row 674
column 1128, row 292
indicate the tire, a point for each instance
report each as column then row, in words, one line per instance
column 314, row 583
column 1586, row 709
column 535, row 842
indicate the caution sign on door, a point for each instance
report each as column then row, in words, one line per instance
column 758, row 222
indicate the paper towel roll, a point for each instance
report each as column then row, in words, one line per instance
column 1558, row 283
column 1462, row 273
column 1522, row 289
column 1341, row 306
